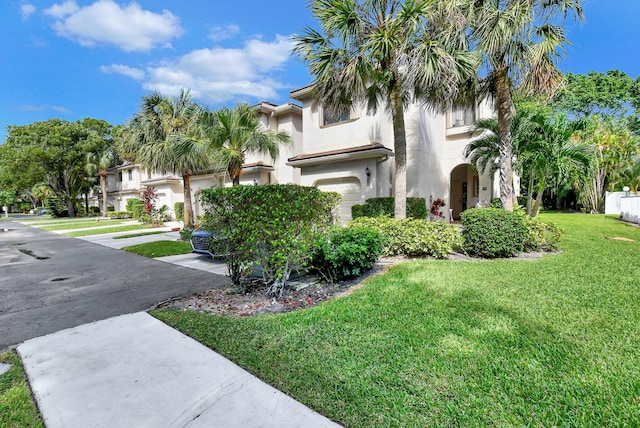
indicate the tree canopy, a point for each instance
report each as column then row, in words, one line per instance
column 52, row 152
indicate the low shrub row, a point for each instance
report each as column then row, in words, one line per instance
column 375, row 207
column 413, row 237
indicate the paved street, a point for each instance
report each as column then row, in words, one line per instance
column 49, row 282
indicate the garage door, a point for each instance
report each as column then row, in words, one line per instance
column 349, row 188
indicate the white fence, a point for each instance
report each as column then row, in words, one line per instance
column 630, row 208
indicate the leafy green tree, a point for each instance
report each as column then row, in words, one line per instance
column 387, row 53
column 234, row 133
column 519, row 42
column 53, row 152
column 604, row 94
column 7, row 198
column 163, row 136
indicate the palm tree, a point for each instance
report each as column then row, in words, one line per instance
column 556, row 157
column 631, row 174
column 387, row 53
column 100, row 163
column 484, row 150
column 236, row 132
column 164, row 136
column 519, row 41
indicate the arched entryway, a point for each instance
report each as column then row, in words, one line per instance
column 464, row 189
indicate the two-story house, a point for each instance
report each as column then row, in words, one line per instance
column 350, row 153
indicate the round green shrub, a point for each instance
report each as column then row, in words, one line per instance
column 133, row 202
column 493, row 232
column 345, row 253
column 540, row 235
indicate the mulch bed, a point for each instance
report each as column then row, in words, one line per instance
column 307, row 292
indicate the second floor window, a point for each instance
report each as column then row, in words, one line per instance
column 120, row 176
column 130, row 175
column 462, row 116
column 329, row 118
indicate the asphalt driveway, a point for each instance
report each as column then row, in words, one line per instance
column 50, row 282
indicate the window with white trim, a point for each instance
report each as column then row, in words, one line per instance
column 329, row 118
column 462, row 116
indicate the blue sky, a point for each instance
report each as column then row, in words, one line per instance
column 95, row 58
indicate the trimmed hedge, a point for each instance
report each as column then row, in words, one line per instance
column 119, row 214
column 345, row 253
column 413, row 237
column 270, row 225
column 493, row 232
column 178, row 208
column 133, row 202
column 376, row 207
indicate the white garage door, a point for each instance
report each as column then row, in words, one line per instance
column 349, row 188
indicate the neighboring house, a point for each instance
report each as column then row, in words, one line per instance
column 350, row 153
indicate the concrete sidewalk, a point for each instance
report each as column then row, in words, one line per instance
column 135, row 371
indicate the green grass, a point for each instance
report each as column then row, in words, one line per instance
column 17, row 409
column 160, row 248
column 135, row 235
column 114, row 229
column 548, row 342
column 81, row 225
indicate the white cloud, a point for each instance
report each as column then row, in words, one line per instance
column 26, row 10
column 219, row 74
column 105, row 22
column 59, row 11
column 224, row 32
column 32, row 107
column 134, row 73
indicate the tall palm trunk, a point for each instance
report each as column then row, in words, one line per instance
column 542, row 184
column 103, row 186
column 505, row 146
column 400, row 149
column 188, row 210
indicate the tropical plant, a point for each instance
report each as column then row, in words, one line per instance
column 519, row 42
column 484, row 150
column 631, row 174
column 613, row 146
column 165, row 136
column 555, row 158
column 386, row 53
column 100, row 163
column 236, row 132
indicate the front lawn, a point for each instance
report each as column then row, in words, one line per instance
column 17, row 409
column 548, row 342
column 82, row 224
column 160, row 248
column 103, row 231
